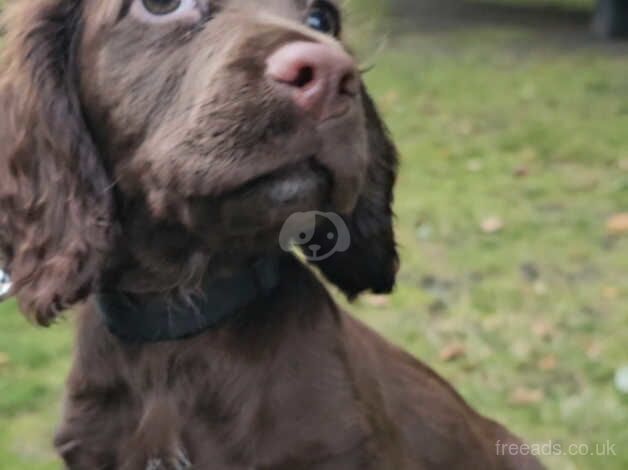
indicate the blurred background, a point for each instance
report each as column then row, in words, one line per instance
column 512, row 210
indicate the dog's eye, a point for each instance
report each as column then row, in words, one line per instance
column 161, row 7
column 163, row 11
column 324, row 17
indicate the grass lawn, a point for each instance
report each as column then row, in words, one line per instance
column 515, row 156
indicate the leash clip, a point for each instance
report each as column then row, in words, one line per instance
column 5, row 285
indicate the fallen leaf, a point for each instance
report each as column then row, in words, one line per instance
column 610, row 293
column 617, row 224
column 547, row 363
column 521, row 171
column 543, row 329
column 492, row 225
column 4, row 359
column 452, row 351
column 526, row 396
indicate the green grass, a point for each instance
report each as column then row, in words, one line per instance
column 471, row 111
column 490, row 123
column 33, row 365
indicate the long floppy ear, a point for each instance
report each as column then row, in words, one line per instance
column 55, row 206
column 371, row 261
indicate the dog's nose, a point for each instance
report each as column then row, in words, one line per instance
column 322, row 79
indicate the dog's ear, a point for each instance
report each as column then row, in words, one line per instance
column 371, row 261
column 55, row 203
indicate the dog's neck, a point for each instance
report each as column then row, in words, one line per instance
column 152, row 317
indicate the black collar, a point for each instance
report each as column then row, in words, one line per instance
column 158, row 320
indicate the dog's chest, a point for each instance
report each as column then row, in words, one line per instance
column 299, row 412
column 292, row 423
column 288, row 441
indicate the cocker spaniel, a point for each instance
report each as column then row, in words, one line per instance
column 152, row 153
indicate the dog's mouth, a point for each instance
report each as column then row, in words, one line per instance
column 268, row 200
column 289, row 184
column 307, row 180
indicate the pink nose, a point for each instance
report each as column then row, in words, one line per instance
column 321, row 79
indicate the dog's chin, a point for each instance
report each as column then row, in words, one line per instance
column 302, row 187
column 265, row 203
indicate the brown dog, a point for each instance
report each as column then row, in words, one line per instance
column 151, row 152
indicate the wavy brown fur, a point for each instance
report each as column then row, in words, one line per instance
column 55, row 201
column 146, row 158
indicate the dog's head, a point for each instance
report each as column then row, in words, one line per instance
column 172, row 131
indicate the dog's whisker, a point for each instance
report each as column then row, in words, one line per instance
column 112, row 185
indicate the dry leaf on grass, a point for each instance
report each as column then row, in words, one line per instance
column 521, row 171
column 492, row 225
column 547, row 363
column 452, row 351
column 543, row 329
column 526, row 396
column 610, row 293
column 617, row 224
